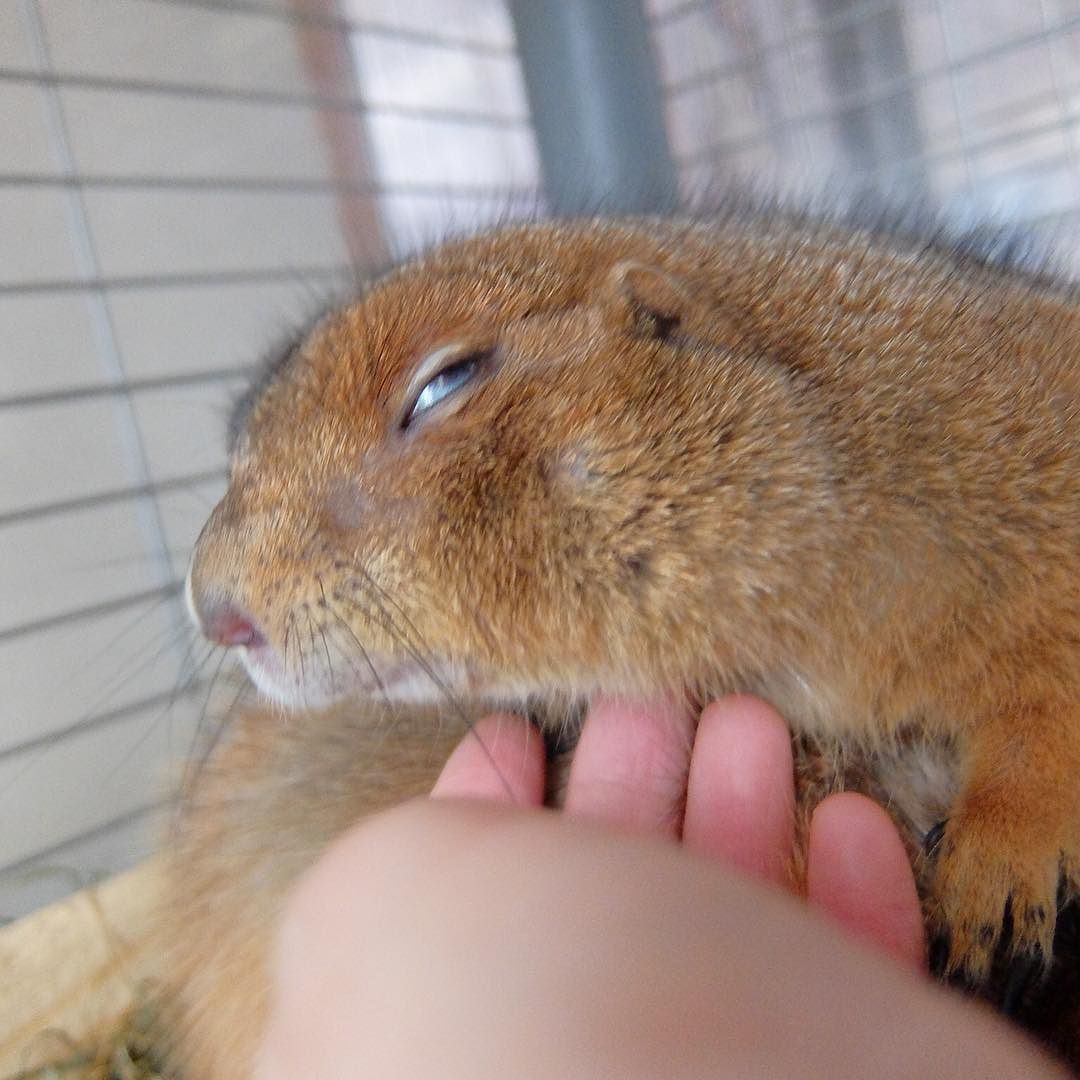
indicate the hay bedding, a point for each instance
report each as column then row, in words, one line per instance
column 130, row 1052
column 76, row 999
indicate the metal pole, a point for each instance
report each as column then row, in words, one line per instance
column 596, row 104
column 866, row 51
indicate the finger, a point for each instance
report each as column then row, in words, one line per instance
column 859, row 873
column 501, row 758
column 741, row 794
column 630, row 765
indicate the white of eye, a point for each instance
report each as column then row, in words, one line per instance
column 444, row 382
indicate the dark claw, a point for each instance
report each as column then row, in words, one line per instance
column 938, row 954
column 938, row 961
column 1062, row 893
column 1025, row 970
column 933, row 838
column 1007, row 928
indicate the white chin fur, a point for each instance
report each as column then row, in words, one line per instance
column 189, row 601
column 291, row 693
column 316, row 687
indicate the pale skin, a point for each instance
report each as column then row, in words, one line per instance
column 643, row 932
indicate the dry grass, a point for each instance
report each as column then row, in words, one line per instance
column 131, row 1051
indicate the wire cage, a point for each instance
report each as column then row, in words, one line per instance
column 182, row 180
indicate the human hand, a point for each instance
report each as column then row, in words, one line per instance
column 725, row 787
column 468, row 937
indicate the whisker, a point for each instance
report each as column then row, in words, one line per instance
column 135, row 559
column 394, row 632
column 166, row 711
column 199, row 756
column 322, row 632
column 188, row 672
column 285, row 646
column 188, row 661
column 121, row 678
column 207, row 655
column 311, row 630
column 126, row 629
column 381, row 592
column 391, row 710
column 399, row 638
column 414, row 646
column 364, row 655
column 303, row 666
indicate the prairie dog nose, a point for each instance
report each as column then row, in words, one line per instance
column 220, row 619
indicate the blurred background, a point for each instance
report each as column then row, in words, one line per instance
column 181, row 181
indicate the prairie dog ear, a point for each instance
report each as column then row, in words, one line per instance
column 643, row 300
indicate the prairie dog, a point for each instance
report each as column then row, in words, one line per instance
column 819, row 464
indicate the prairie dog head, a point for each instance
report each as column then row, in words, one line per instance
column 539, row 460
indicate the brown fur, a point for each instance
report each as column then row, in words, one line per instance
column 266, row 805
column 833, row 469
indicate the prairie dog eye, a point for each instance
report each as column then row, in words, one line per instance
column 440, row 376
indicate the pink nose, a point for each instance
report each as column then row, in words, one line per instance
column 227, row 625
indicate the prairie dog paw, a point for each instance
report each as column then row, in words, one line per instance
column 993, row 896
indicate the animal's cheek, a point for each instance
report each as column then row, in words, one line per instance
column 346, row 506
column 569, row 469
column 355, row 507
